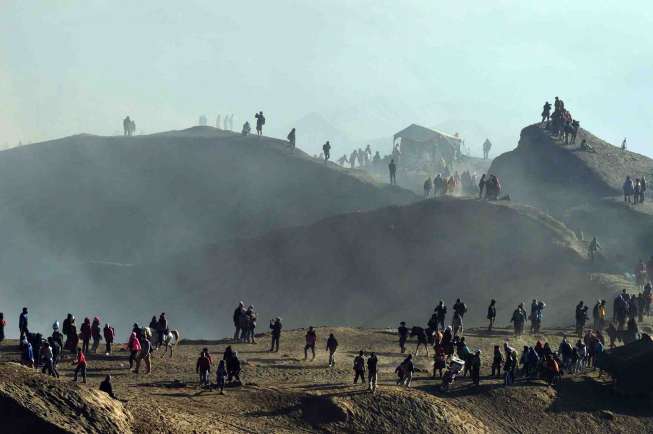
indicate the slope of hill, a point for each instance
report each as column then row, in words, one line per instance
column 577, row 186
column 377, row 268
column 30, row 403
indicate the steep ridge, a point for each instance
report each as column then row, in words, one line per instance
column 375, row 268
column 71, row 204
column 578, row 186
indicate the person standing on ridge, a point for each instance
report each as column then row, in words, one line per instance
column 291, row 139
column 491, row 314
column 372, row 374
column 403, row 336
column 326, row 150
column 311, row 338
column 275, row 326
column 260, row 121
column 22, row 322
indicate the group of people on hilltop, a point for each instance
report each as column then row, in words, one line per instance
column 360, row 158
column 634, row 191
column 560, row 122
column 129, row 126
column 260, row 121
column 245, row 323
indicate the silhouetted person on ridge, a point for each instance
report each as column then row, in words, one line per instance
column 260, row 121
column 291, row 139
column 326, row 149
column 126, row 125
column 275, row 326
column 491, row 314
column 392, row 167
column 403, row 336
column 546, row 112
column 22, row 322
column 623, row 145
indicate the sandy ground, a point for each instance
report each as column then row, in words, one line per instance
column 276, row 386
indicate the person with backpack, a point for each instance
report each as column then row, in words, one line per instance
column 311, row 338
column 96, row 334
column 372, row 374
column 332, row 346
column 359, row 368
column 109, row 336
column 80, row 363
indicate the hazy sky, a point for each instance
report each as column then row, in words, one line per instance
column 369, row 67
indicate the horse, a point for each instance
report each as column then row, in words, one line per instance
column 170, row 340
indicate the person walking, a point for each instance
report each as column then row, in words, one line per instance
column 275, row 326
column 311, row 338
column 80, row 361
column 48, row 360
column 372, row 375
column 359, row 368
column 331, row 346
column 134, row 347
column 144, row 355
column 221, row 376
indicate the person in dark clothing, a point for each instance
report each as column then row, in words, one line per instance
column 475, row 362
column 497, row 361
column 47, row 358
column 491, row 314
column 203, row 368
column 372, row 373
column 581, row 318
column 109, row 336
column 144, row 355
column 311, row 339
column 546, row 112
column 22, row 322
column 56, row 346
column 326, row 149
column 233, row 368
column 481, row 186
column 403, row 336
column 86, row 335
column 359, row 368
column 392, row 168
column 162, row 328
column 275, row 326
column 107, row 387
column 96, row 334
column 240, row 310
column 260, row 121
column 331, row 347
column 72, row 340
column 291, row 139
column 441, row 314
column 153, row 323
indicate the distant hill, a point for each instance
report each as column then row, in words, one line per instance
column 378, row 267
column 124, row 200
column 584, row 189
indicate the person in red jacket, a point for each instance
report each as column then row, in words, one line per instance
column 134, row 347
column 85, row 330
column 80, row 361
column 109, row 336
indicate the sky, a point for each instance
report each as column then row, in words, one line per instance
column 370, row 68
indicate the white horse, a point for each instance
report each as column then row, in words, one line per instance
column 170, row 340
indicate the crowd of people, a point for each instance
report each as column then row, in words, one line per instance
column 560, row 122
